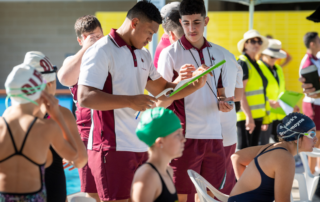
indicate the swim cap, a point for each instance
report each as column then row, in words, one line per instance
column 157, row 122
column 23, row 85
column 293, row 125
column 41, row 63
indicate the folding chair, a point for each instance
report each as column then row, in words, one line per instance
column 311, row 180
column 202, row 184
column 303, row 192
column 82, row 199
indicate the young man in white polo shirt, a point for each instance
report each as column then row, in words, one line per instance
column 198, row 112
column 113, row 75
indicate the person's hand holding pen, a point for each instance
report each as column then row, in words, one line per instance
column 188, row 71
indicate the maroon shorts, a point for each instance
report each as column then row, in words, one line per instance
column 231, row 177
column 86, row 178
column 313, row 112
column 206, row 157
column 113, row 172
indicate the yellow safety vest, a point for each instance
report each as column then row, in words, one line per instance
column 273, row 89
column 260, row 108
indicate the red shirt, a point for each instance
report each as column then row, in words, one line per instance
column 164, row 42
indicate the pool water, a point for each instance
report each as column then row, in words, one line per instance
column 72, row 177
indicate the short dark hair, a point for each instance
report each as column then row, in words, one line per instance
column 171, row 23
column 145, row 10
column 309, row 37
column 86, row 23
column 190, row 7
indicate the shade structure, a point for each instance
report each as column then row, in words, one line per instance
column 256, row 2
column 252, row 3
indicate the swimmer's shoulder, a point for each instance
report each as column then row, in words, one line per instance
column 146, row 172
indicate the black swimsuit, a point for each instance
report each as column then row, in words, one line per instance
column 265, row 192
column 165, row 195
column 37, row 196
column 55, row 178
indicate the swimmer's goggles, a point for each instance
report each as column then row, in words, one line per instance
column 309, row 134
column 31, row 90
column 55, row 69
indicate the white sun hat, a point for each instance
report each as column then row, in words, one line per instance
column 168, row 8
column 41, row 63
column 249, row 35
column 24, row 84
column 274, row 49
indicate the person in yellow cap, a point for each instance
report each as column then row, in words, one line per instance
column 161, row 130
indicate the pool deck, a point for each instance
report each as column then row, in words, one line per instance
column 295, row 193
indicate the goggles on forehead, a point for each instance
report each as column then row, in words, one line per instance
column 23, row 95
column 55, row 69
column 309, row 134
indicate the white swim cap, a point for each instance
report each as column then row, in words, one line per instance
column 41, row 63
column 23, row 85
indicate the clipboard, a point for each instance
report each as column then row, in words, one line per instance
column 187, row 82
column 182, row 84
column 287, row 99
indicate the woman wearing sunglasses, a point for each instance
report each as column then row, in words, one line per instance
column 276, row 85
column 265, row 173
column 253, row 113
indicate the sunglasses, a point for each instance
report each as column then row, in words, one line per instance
column 253, row 42
column 273, row 57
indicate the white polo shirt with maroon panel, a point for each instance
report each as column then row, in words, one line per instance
column 229, row 119
column 198, row 112
column 113, row 67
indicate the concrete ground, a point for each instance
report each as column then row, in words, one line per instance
column 295, row 193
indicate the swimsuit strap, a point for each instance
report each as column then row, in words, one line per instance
column 28, row 131
column 256, row 158
column 158, row 171
column 10, row 133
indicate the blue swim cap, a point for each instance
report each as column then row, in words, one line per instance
column 293, row 125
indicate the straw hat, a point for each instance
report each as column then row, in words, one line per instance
column 274, row 49
column 249, row 35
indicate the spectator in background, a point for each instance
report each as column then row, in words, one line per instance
column 172, row 28
column 310, row 105
column 88, row 31
column 280, row 61
column 276, row 85
column 252, row 117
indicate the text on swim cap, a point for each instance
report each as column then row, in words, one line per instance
column 27, row 88
column 46, row 65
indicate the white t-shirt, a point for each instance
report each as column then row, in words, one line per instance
column 116, row 68
column 229, row 119
column 198, row 112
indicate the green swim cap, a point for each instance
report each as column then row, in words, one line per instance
column 157, row 122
